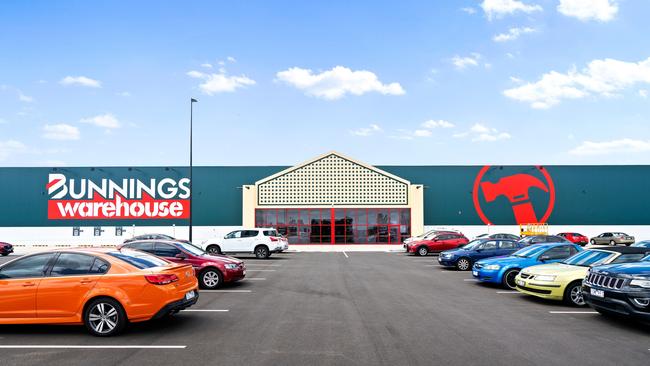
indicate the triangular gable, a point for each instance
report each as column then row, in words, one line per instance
column 332, row 179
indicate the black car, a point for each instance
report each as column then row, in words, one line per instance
column 154, row 237
column 541, row 239
column 498, row 236
column 6, row 249
column 619, row 289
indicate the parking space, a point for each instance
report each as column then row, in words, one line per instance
column 353, row 308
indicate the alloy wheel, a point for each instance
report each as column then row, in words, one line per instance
column 423, row 251
column 510, row 279
column 463, row 264
column 103, row 318
column 210, row 279
column 576, row 296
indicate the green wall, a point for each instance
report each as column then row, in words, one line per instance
column 585, row 195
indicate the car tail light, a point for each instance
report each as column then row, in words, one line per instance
column 161, row 279
column 273, row 238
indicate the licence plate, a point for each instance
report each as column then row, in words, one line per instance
column 475, row 273
column 190, row 295
column 244, row 272
column 521, row 283
column 597, row 293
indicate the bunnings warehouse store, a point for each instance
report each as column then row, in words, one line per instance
column 331, row 199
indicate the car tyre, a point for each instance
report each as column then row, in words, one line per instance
column 612, row 243
column 423, row 251
column 509, row 278
column 592, row 242
column 211, row 278
column 262, row 252
column 213, row 249
column 104, row 317
column 463, row 264
column 5, row 254
column 573, row 294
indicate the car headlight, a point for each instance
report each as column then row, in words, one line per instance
column 545, row 278
column 640, row 283
column 493, row 267
column 230, row 266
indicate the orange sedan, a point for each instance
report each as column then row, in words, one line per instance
column 103, row 289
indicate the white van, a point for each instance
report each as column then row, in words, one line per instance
column 259, row 241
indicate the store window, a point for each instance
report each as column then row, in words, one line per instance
column 338, row 225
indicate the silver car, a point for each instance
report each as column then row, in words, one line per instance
column 612, row 239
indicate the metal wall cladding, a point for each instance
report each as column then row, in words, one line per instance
column 584, row 195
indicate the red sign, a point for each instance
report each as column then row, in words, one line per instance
column 516, row 189
column 84, row 199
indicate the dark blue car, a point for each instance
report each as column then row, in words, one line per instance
column 462, row 258
column 620, row 289
column 503, row 270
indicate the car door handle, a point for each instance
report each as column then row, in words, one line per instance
column 86, row 280
column 29, row 284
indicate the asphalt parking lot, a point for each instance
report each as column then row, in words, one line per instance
column 346, row 309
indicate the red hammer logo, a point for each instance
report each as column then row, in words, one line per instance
column 516, row 189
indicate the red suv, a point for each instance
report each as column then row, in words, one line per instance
column 440, row 241
column 575, row 238
column 212, row 270
column 6, row 249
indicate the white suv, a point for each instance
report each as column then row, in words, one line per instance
column 259, row 241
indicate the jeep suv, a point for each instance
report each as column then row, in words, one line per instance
column 621, row 289
column 259, row 241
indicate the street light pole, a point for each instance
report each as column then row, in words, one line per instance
column 192, row 101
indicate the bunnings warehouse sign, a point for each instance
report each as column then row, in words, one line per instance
column 109, row 199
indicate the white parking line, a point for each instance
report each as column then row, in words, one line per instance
column 508, row 292
column 207, row 310
column 345, row 254
column 260, row 270
column 255, row 279
column 470, row 279
column 72, row 346
column 573, row 312
column 233, row 291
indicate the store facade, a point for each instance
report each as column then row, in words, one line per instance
column 333, row 199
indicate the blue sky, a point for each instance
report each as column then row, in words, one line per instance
column 467, row 82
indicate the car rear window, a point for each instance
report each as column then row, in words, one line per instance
column 270, row 233
column 138, row 259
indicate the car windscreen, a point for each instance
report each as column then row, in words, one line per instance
column 619, row 234
column 138, row 259
column 472, row 244
column 193, row 249
column 628, row 258
column 529, row 252
column 589, row 258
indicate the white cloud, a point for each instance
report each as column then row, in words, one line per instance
column 431, row 124
column 516, row 80
column 403, row 134
column 601, row 77
column 24, row 98
column 61, row 131
column 499, row 8
column 231, row 59
column 206, row 65
column 107, row 120
column 482, row 133
column 468, row 10
column 422, row 133
column 10, row 147
column 585, row 10
column 123, row 94
column 220, row 83
column 625, row 145
column 81, row 81
column 512, row 34
column 468, row 61
column 337, row 82
column 643, row 93
column 366, row 131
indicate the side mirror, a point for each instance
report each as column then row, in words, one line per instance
column 181, row 256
